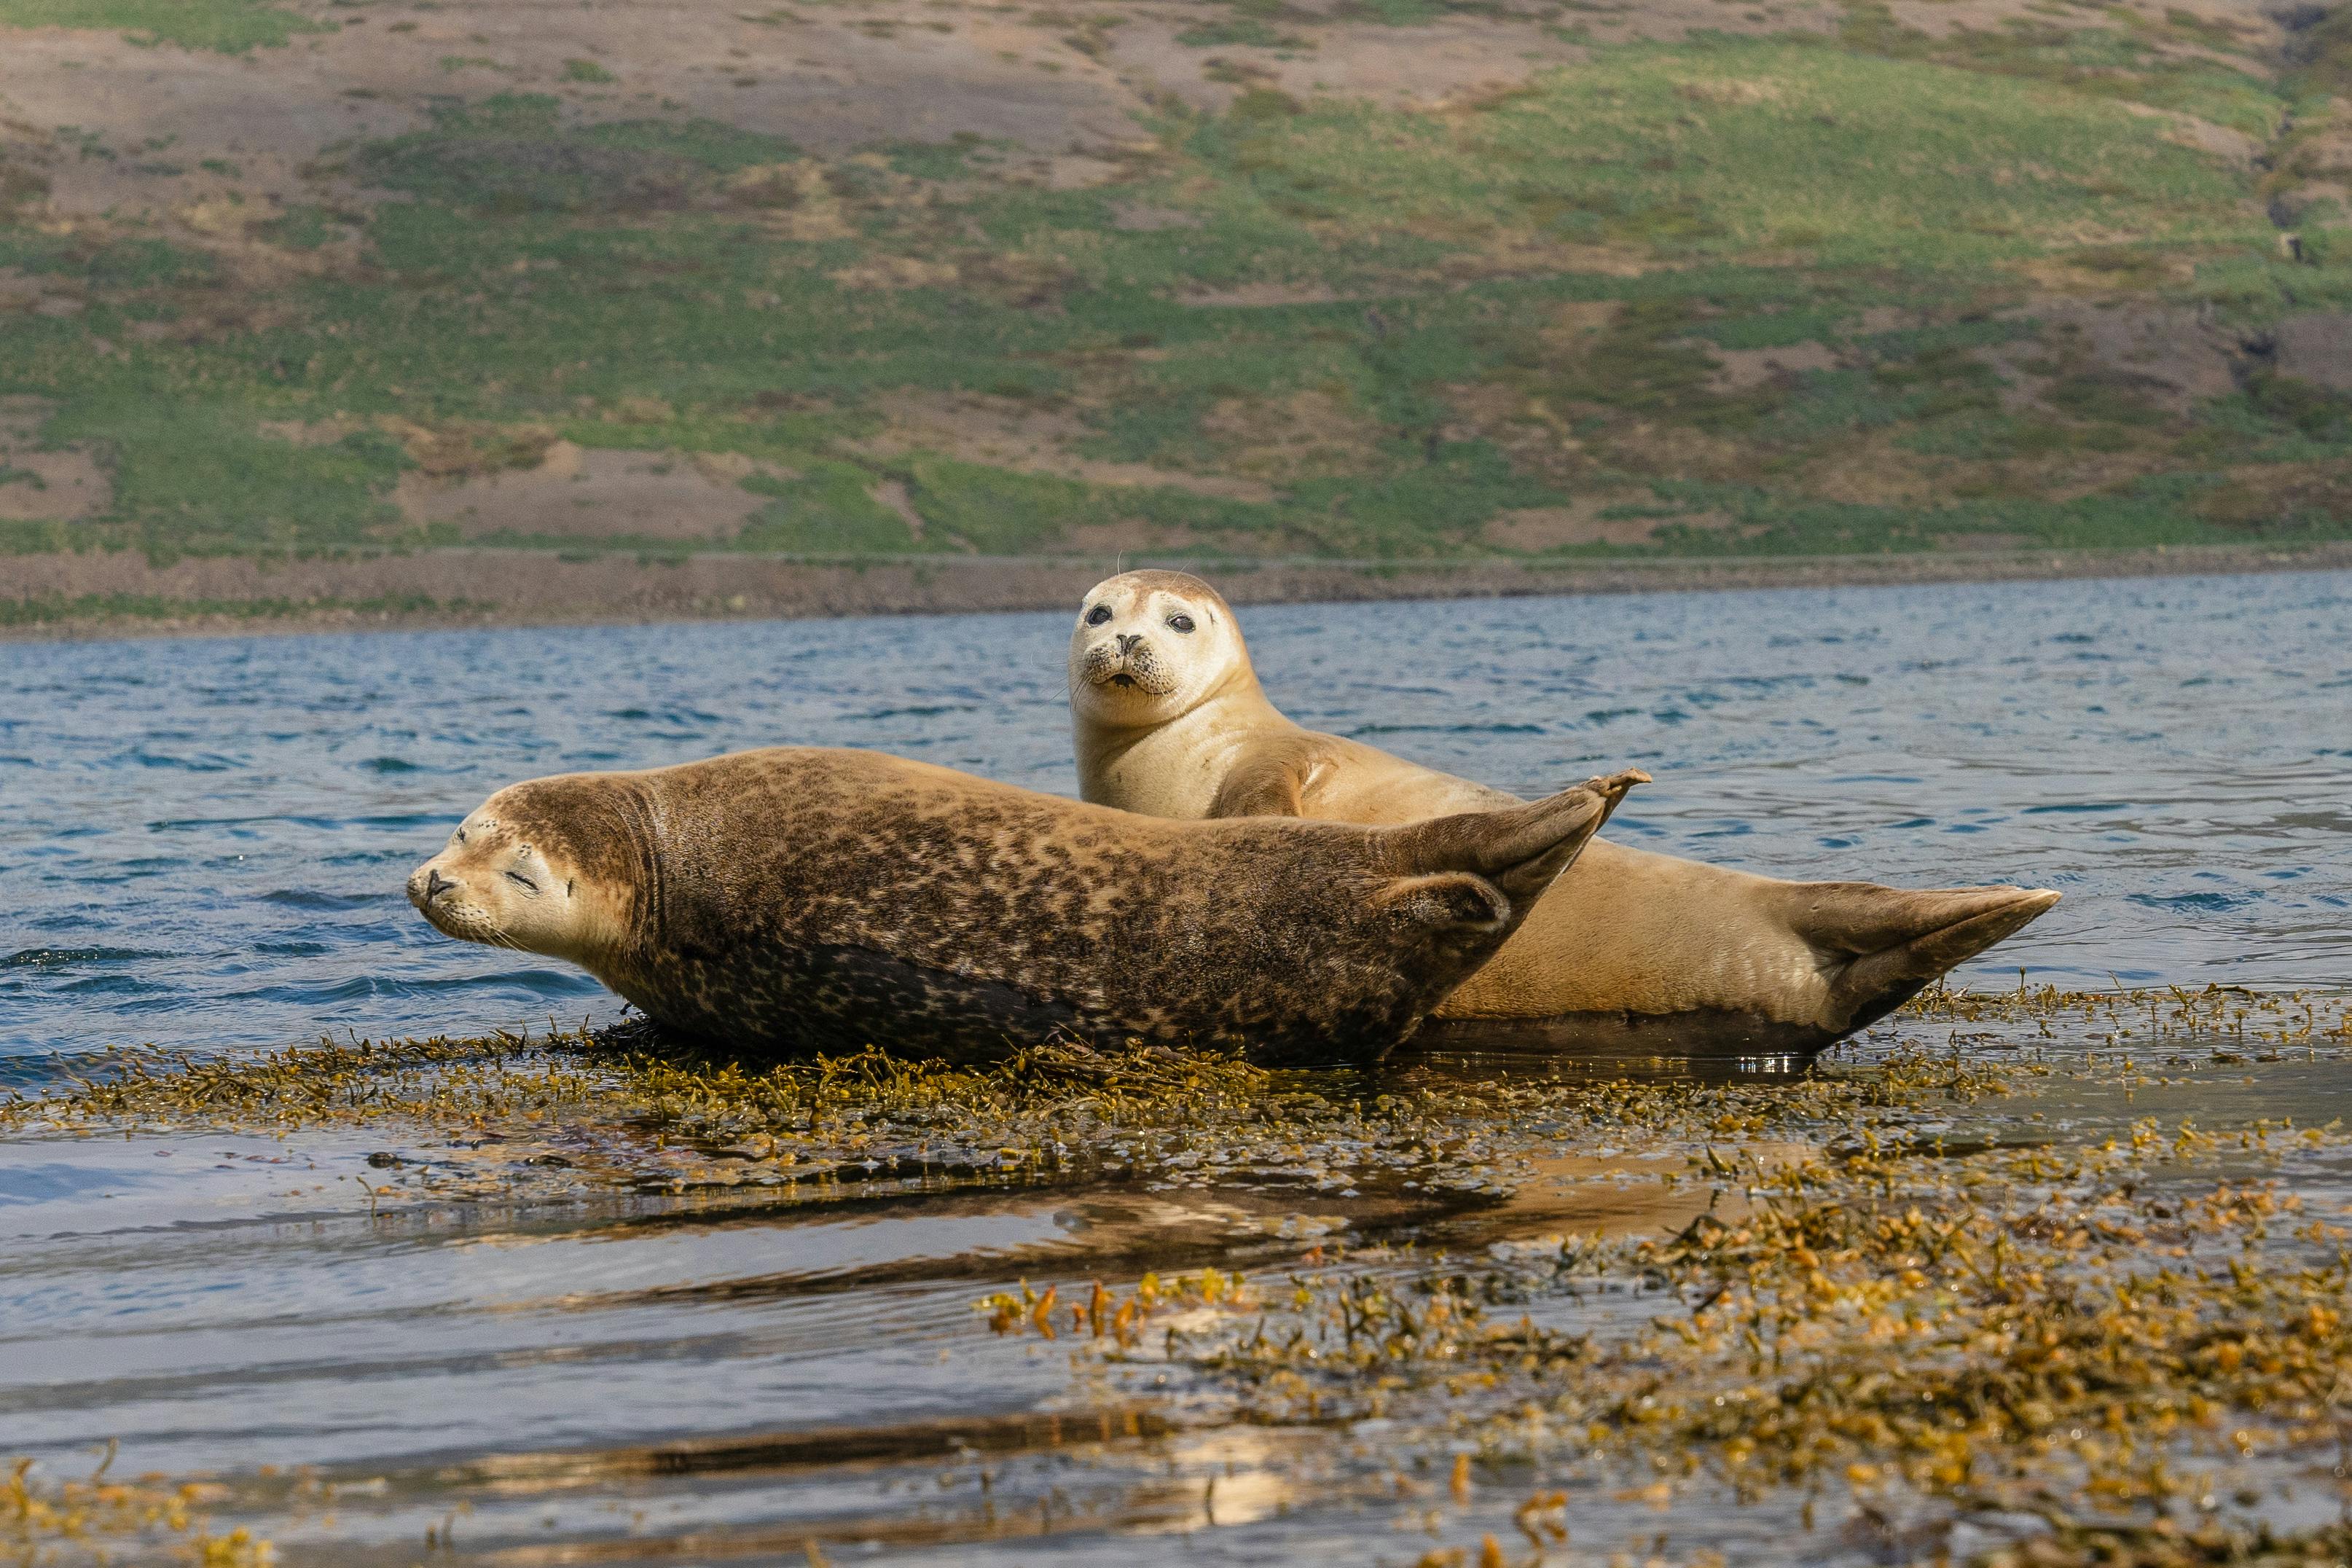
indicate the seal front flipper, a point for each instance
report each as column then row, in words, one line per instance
column 1520, row 848
column 1272, row 783
column 1880, row 946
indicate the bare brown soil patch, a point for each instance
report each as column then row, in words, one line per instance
column 1528, row 429
column 1132, row 535
column 38, row 485
column 1423, row 65
column 1014, row 434
column 2242, row 33
column 1539, row 528
column 1578, row 319
column 1253, row 296
column 1141, row 217
column 1875, row 472
column 1533, row 529
column 1276, row 439
column 1523, row 253
column 892, row 494
column 593, row 493
column 2316, row 348
column 2262, row 498
column 2090, row 270
column 2175, row 358
column 1744, row 370
column 1652, row 448
column 2203, row 135
column 824, row 78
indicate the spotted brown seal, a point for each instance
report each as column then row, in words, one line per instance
column 807, row 898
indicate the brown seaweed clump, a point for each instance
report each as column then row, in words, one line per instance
column 1960, row 1273
column 2099, row 1338
column 46, row 1523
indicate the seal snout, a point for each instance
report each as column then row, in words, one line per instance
column 1127, row 662
column 426, row 885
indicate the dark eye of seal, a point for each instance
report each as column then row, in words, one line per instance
column 525, row 881
column 1098, row 615
column 1182, row 622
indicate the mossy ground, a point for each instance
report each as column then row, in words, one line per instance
column 1867, row 289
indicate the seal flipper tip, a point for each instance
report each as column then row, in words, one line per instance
column 1887, row 944
column 1518, row 848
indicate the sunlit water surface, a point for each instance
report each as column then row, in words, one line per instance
column 203, row 843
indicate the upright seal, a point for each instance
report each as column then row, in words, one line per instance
column 1631, row 952
column 802, row 898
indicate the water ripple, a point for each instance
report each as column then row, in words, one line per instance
column 2124, row 741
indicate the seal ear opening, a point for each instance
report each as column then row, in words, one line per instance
column 1520, row 849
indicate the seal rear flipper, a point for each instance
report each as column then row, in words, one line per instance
column 1886, row 944
column 1520, row 848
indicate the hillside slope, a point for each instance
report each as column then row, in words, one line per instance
column 1390, row 279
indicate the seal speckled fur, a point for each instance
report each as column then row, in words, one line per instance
column 801, row 897
column 1632, row 954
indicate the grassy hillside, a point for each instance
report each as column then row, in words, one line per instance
column 1393, row 279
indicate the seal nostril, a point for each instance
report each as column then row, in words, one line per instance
column 1127, row 641
column 435, row 884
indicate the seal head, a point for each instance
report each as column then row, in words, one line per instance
column 1150, row 646
column 516, row 874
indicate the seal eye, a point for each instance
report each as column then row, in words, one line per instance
column 461, row 836
column 1098, row 615
column 527, row 884
column 1180, row 622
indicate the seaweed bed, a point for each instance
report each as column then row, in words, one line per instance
column 2037, row 1277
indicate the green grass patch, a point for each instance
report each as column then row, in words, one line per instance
column 46, row 610
column 2118, row 62
column 516, row 153
column 1249, row 32
column 831, row 508
column 1731, row 149
column 231, row 27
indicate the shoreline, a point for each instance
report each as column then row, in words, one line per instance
column 494, row 588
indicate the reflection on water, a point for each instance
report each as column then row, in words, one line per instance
column 550, row 1343
column 207, row 838
column 592, row 1370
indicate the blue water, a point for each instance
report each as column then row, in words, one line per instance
column 204, row 840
